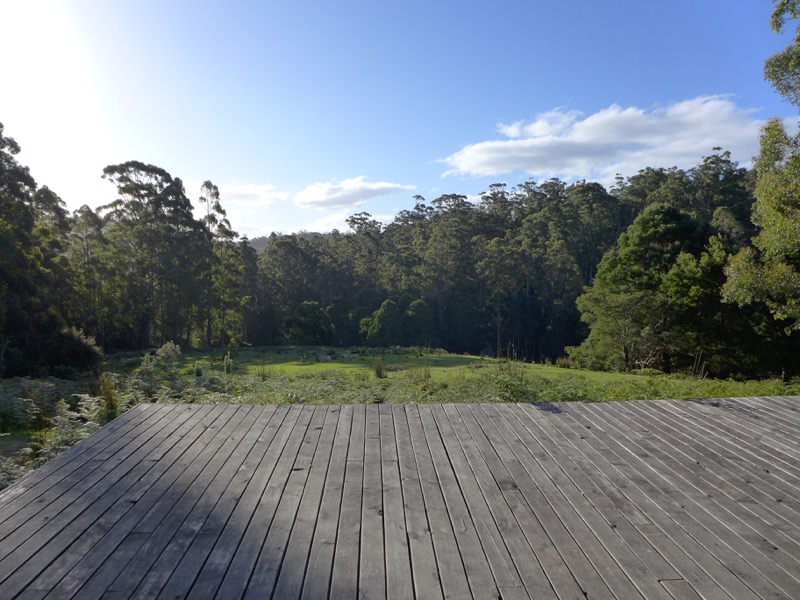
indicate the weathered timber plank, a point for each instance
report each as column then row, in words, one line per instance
column 427, row 582
column 372, row 562
column 448, row 558
column 777, row 410
column 705, row 503
column 179, row 490
column 591, row 561
column 485, row 449
column 665, row 533
column 293, row 569
column 45, row 476
column 39, row 551
column 399, row 579
column 621, row 568
column 662, row 499
column 247, row 456
column 344, row 572
column 476, row 561
column 700, row 544
column 244, row 560
column 67, row 483
column 609, row 501
column 320, row 561
column 714, row 426
column 680, row 589
column 271, row 560
column 762, row 479
column 744, row 482
column 204, row 492
column 111, row 537
column 728, row 491
column 780, row 424
column 526, row 489
column 507, row 578
column 216, row 566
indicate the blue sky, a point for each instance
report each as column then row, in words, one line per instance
column 305, row 112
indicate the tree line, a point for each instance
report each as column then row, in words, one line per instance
column 626, row 278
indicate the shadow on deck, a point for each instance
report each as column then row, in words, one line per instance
column 639, row 499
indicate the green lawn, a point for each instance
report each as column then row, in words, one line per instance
column 325, row 375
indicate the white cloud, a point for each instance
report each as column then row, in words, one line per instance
column 617, row 139
column 337, row 220
column 348, row 193
column 329, row 222
column 249, row 206
column 249, row 197
column 552, row 122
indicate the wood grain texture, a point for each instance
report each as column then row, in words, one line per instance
column 643, row 499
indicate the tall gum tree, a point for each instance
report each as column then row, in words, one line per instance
column 769, row 272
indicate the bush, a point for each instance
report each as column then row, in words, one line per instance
column 378, row 368
column 11, row 471
column 69, row 425
column 15, row 413
column 72, row 351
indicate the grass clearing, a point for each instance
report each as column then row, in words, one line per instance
column 336, row 375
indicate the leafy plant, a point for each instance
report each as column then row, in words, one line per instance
column 379, row 368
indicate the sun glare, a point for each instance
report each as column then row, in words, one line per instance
column 54, row 107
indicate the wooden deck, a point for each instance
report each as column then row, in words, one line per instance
column 646, row 499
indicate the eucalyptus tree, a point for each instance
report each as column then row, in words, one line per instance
column 222, row 285
column 447, row 271
column 163, row 251
column 404, row 242
column 500, row 211
column 385, row 327
column 363, row 250
column 596, row 221
column 769, row 272
column 90, row 279
column 298, row 268
column 34, row 275
column 20, row 267
column 498, row 273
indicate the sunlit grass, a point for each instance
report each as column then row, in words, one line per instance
column 336, row 375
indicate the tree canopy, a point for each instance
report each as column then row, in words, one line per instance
column 626, row 278
column 769, row 271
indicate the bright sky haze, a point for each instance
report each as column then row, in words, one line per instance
column 306, row 112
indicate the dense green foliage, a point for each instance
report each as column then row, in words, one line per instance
column 694, row 271
column 523, row 273
column 769, row 272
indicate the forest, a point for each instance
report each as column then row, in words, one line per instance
column 657, row 273
column 688, row 271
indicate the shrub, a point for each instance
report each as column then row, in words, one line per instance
column 378, row 368
column 228, row 364
column 15, row 412
column 11, row 471
column 69, row 425
column 108, row 394
column 72, row 352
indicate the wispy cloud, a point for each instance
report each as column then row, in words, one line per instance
column 338, row 221
column 566, row 144
column 348, row 193
column 247, row 205
column 250, row 196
